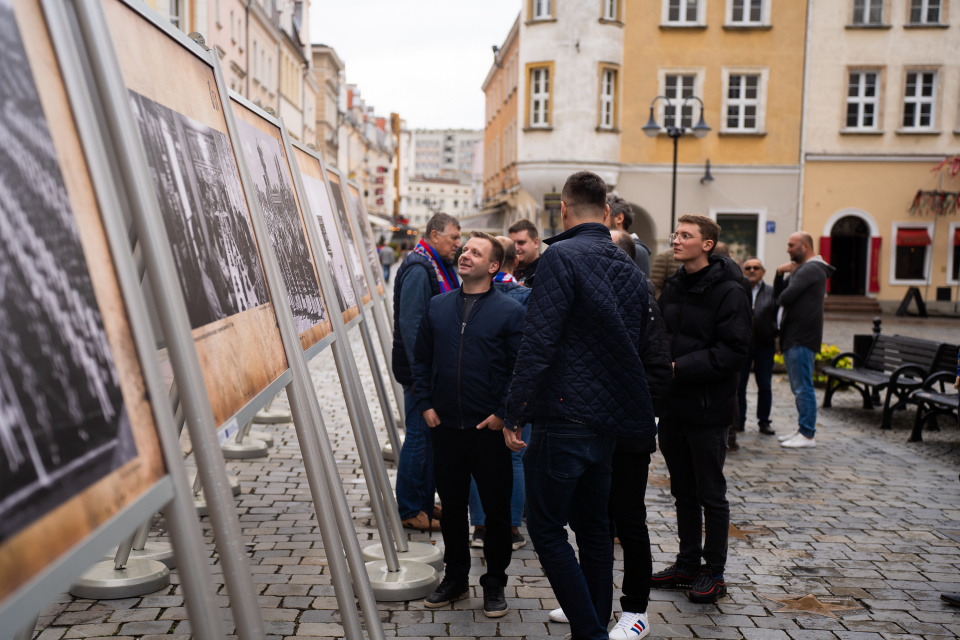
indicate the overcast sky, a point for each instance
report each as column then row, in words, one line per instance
column 424, row 59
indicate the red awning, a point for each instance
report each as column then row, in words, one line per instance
column 913, row 238
column 956, row 237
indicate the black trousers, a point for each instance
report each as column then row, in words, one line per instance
column 629, row 515
column 695, row 455
column 459, row 454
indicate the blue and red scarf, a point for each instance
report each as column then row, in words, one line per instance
column 503, row 276
column 446, row 277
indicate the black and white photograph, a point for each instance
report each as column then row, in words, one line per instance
column 336, row 260
column 352, row 249
column 371, row 251
column 204, row 212
column 267, row 164
column 63, row 425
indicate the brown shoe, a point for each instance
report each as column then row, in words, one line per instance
column 421, row 523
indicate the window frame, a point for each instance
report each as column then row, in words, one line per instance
column 700, row 21
column 551, row 14
column 868, row 5
column 698, row 72
column 761, row 104
column 617, row 15
column 924, row 8
column 531, row 67
column 877, row 101
column 932, row 101
column 928, row 258
column 614, row 100
column 954, row 226
column 747, row 24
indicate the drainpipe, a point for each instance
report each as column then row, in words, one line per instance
column 803, row 116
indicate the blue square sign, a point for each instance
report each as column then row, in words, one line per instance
column 771, row 227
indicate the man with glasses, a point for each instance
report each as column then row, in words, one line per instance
column 761, row 349
column 427, row 271
column 707, row 316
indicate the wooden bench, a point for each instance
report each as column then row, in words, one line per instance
column 895, row 364
column 936, row 396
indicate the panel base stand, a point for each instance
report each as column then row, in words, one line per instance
column 416, row 552
column 272, row 416
column 263, row 436
column 201, row 503
column 232, row 479
column 249, row 448
column 104, row 582
column 388, row 453
column 413, row 581
column 156, row 551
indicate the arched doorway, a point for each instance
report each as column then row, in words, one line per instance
column 849, row 247
column 643, row 226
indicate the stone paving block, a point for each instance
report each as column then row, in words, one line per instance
column 430, row 629
column 91, row 630
column 764, row 634
column 319, row 629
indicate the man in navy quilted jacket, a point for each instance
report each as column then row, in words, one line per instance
column 580, row 380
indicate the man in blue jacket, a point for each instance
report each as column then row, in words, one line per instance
column 427, row 271
column 465, row 351
column 581, row 380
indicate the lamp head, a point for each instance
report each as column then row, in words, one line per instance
column 652, row 129
column 701, row 129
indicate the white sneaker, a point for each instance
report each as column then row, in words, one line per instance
column 789, row 436
column 557, row 615
column 799, row 441
column 630, row 626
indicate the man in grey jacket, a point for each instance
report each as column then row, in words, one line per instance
column 801, row 329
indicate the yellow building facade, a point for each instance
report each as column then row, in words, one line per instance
column 745, row 60
column 881, row 112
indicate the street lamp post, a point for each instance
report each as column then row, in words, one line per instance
column 652, row 129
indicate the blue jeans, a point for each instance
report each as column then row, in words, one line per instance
column 386, row 272
column 799, row 361
column 762, row 361
column 415, row 468
column 477, row 516
column 567, row 468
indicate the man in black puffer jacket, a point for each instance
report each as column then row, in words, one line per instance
column 466, row 349
column 579, row 377
column 707, row 315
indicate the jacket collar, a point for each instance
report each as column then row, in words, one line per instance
column 586, row 229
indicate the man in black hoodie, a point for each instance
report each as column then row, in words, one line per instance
column 707, row 316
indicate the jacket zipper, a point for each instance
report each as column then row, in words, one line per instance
column 463, row 327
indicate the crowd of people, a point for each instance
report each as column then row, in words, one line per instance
column 539, row 383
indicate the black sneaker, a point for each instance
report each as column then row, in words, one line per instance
column 518, row 541
column 494, row 602
column 448, row 591
column 674, row 577
column 478, row 535
column 708, row 587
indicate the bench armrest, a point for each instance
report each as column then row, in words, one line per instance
column 914, row 370
column 855, row 359
column 941, row 378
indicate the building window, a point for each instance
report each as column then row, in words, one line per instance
column 911, row 253
column 925, row 11
column 862, row 100
column 742, row 231
column 539, row 96
column 743, row 101
column 682, row 12
column 918, row 99
column 611, row 10
column 608, row 98
column 677, row 87
column 953, row 269
column 868, row 11
column 540, row 9
column 746, row 12
column 256, row 67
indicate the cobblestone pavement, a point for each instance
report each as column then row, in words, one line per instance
column 865, row 522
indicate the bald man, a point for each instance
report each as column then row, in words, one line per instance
column 800, row 287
